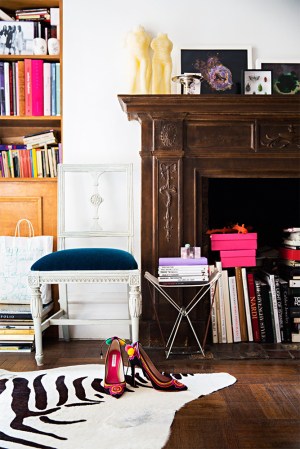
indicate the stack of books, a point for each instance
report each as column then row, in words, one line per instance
column 16, row 327
column 180, row 271
column 236, row 250
column 290, row 271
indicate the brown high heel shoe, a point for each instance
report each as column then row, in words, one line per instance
column 138, row 357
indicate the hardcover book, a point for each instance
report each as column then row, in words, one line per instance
column 241, row 301
column 253, row 307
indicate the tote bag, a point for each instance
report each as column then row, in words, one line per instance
column 17, row 254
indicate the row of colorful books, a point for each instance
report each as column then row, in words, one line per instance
column 251, row 304
column 16, row 327
column 30, row 163
column 30, row 87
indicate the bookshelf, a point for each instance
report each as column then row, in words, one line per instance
column 23, row 191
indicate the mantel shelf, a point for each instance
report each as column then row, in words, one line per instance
column 135, row 105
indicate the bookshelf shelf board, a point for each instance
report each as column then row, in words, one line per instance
column 54, row 58
column 28, row 180
column 15, row 120
column 21, row 4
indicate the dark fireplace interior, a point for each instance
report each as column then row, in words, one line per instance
column 267, row 205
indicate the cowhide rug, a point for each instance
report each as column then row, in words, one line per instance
column 68, row 408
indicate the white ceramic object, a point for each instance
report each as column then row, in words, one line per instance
column 53, row 46
column 39, row 46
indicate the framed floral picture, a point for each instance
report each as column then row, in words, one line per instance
column 257, row 82
column 220, row 66
column 286, row 75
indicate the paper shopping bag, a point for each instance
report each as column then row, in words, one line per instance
column 17, row 254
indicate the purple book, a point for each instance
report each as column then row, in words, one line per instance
column 164, row 261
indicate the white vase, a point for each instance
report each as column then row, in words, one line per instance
column 39, row 46
column 53, row 46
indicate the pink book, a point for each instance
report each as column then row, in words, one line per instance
column 238, row 253
column 37, row 77
column 228, row 262
column 169, row 261
column 28, row 87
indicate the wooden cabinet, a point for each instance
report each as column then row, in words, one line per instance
column 26, row 197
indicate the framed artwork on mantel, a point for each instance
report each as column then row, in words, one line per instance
column 221, row 66
column 286, row 75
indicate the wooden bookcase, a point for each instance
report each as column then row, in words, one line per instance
column 30, row 198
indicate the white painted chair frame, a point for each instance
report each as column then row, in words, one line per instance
column 130, row 277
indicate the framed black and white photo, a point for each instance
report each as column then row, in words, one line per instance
column 16, row 38
column 286, row 75
column 220, row 66
column 257, row 82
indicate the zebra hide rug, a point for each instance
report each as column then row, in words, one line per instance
column 68, row 408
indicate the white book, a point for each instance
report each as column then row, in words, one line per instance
column 223, row 338
column 247, row 304
column 57, row 93
column 224, row 280
column 47, row 88
column 270, row 279
column 213, row 307
column 234, row 309
column 6, row 88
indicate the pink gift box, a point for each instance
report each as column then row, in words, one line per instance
column 238, row 253
column 228, row 262
column 233, row 241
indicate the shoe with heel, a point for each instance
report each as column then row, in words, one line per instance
column 138, row 357
column 114, row 379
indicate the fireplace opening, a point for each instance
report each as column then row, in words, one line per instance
column 268, row 205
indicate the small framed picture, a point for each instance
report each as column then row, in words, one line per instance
column 286, row 75
column 257, row 82
column 220, row 66
column 16, row 38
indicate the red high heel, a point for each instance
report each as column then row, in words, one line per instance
column 138, row 357
column 114, row 379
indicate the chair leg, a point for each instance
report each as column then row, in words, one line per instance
column 36, row 311
column 63, row 302
column 135, row 310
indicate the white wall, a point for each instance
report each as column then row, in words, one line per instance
column 95, row 130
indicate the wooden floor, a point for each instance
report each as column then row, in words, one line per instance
column 261, row 411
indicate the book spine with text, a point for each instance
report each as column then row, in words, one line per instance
column 21, row 87
column 262, row 328
column 283, row 284
column 270, row 279
column 37, row 77
column 2, row 89
column 28, row 87
column 53, row 88
column 253, row 308
column 224, row 280
column 47, row 88
column 213, row 306
column 241, row 301
column 234, row 309
column 221, row 308
column 6, row 88
column 247, row 304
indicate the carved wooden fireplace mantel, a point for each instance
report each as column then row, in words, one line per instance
column 187, row 140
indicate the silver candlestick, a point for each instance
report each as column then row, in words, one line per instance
column 191, row 82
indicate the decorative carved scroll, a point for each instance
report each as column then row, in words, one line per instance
column 283, row 139
column 168, row 134
column 96, row 201
column 168, row 190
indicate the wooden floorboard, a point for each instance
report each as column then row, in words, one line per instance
column 260, row 411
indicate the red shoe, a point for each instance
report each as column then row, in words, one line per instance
column 138, row 357
column 114, row 379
